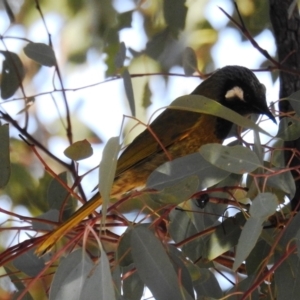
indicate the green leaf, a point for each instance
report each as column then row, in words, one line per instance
column 12, row 74
column 98, row 284
column 241, row 288
column 189, row 61
column 172, row 172
column 79, row 150
column 154, row 266
column 29, row 263
column 236, row 159
column 287, row 277
column 175, row 13
column 248, row 238
column 201, row 104
column 225, row 237
column 107, row 171
column 289, row 129
column 18, row 284
column 125, row 19
column 41, row 53
column 179, row 263
column 157, row 44
column 121, row 55
column 294, row 100
column 124, row 256
column 257, row 256
column 129, row 90
column 51, row 215
column 206, row 285
column 283, row 181
column 4, row 155
column 133, row 286
column 70, row 276
column 298, row 242
column 177, row 193
column 263, row 206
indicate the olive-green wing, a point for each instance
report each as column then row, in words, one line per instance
column 168, row 127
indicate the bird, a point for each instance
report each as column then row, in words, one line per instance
column 180, row 132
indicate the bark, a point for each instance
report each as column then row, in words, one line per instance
column 287, row 36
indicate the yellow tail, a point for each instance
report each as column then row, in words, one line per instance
column 75, row 219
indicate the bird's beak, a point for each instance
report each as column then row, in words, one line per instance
column 269, row 115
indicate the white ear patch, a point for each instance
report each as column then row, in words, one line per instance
column 235, row 92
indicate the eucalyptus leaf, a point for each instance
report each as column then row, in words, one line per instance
column 225, row 237
column 98, row 284
column 236, row 159
column 4, row 155
column 289, row 129
column 70, row 276
column 121, row 55
column 79, row 150
column 206, row 285
column 29, row 263
column 133, row 286
column 201, row 104
column 41, row 53
column 129, row 90
column 175, row 13
column 154, row 266
column 298, row 243
column 263, row 206
column 51, row 215
column 287, row 277
column 283, row 181
column 107, row 170
column 13, row 74
column 177, row 193
column 172, row 172
column 294, row 100
column 248, row 238
column 189, row 61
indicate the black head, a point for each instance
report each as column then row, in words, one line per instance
column 237, row 88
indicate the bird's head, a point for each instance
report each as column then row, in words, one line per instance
column 237, row 88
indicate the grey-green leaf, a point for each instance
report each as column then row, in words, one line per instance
column 98, row 284
column 41, row 53
column 154, row 266
column 121, row 55
column 70, row 276
column 263, row 206
column 236, row 159
column 129, row 90
column 174, row 171
column 294, row 100
column 12, row 74
column 189, row 61
column 79, row 150
column 205, row 105
column 175, row 14
column 247, row 240
column 107, row 170
column 29, row 263
column 289, row 129
column 4, row 155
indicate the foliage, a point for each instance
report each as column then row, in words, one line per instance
column 223, row 210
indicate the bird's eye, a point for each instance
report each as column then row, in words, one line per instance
column 235, row 92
